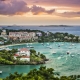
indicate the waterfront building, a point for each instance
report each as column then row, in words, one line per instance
column 4, row 34
column 39, row 34
column 24, row 54
column 22, row 36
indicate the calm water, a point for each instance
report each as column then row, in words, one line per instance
column 72, row 30
column 61, row 62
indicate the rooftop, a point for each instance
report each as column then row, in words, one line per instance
column 24, row 49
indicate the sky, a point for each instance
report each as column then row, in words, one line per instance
column 40, row 12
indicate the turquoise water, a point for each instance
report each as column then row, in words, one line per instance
column 62, row 62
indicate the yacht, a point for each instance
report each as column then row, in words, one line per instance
column 31, row 46
column 72, row 55
column 50, row 47
column 0, row 72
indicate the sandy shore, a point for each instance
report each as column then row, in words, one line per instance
column 3, row 46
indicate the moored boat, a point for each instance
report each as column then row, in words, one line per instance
column 68, row 52
column 54, row 52
column 0, row 72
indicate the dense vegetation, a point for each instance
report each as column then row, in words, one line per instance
column 6, row 57
column 42, row 73
column 58, row 37
column 37, row 58
column 26, row 30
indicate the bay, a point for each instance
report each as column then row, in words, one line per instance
column 60, row 61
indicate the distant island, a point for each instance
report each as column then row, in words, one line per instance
column 55, row 26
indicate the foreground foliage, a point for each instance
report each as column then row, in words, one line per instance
column 42, row 73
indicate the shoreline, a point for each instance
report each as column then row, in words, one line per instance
column 30, row 63
column 3, row 46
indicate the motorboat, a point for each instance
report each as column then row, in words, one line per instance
column 72, row 55
column 50, row 47
column 70, row 47
column 31, row 46
column 8, row 49
column 42, row 43
column 58, row 45
column 72, row 44
column 54, row 52
column 68, row 52
column 27, row 46
column 47, row 43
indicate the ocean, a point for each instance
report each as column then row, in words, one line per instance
column 72, row 30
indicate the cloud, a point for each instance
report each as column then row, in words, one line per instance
column 68, row 3
column 69, row 14
column 38, row 10
column 13, row 7
column 18, row 7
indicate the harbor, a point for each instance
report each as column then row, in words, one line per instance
column 62, row 62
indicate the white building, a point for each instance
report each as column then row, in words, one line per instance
column 24, row 54
column 4, row 34
column 24, row 51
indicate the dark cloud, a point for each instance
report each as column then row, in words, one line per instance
column 2, row 0
column 37, row 10
column 13, row 7
column 18, row 7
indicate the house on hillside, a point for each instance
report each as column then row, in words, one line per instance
column 24, row 54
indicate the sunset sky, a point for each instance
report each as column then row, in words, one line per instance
column 40, row 12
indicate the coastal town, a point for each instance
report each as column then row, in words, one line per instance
column 12, row 37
